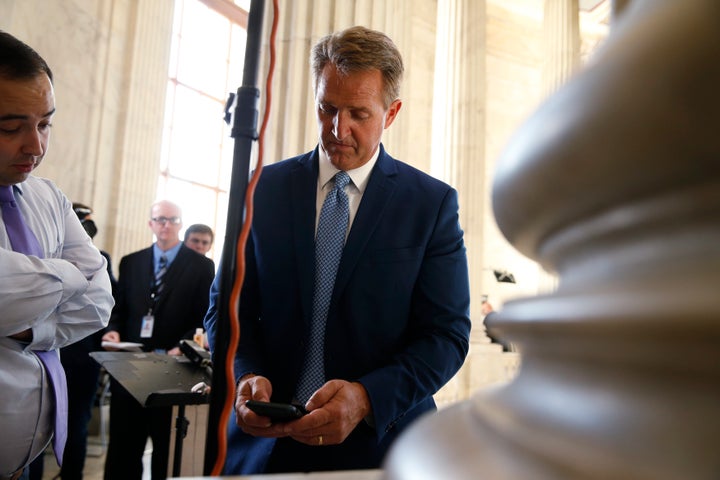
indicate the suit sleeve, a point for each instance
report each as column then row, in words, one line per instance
column 211, row 316
column 249, row 357
column 206, row 274
column 439, row 326
column 246, row 356
column 120, row 310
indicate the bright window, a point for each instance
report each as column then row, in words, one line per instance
column 206, row 63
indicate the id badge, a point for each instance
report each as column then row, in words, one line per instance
column 146, row 330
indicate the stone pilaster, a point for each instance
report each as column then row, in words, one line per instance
column 562, row 42
column 145, row 84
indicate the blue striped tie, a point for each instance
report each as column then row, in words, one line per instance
column 332, row 227
column 160, row 274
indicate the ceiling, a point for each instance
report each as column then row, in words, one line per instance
column 588, row 5
column 534, row 6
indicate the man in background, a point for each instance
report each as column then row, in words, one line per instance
column 355, row 301
column 54, row 286
column 82, row 374
column 85, row 215
column 199, row 237
column 161, row 299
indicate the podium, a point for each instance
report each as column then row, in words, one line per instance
column 159, row 380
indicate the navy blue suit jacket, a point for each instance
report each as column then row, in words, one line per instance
column 399, row 316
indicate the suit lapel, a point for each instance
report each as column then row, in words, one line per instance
column 145, row 276
column 147, row 272
column 375, row 200
column 175, row 267
column 173, row 272
column 303, row 187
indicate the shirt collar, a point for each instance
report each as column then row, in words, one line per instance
column 359, row 176
column 170, row 254
column 18, row 187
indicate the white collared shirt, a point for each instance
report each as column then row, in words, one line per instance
column 63, row 298
column 355, row 189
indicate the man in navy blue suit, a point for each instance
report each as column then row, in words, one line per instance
column 398, row 322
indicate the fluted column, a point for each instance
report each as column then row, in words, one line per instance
column 459, row 122
column 561, row 25
column 458, row 155
column 139, row 144
column 561, row 33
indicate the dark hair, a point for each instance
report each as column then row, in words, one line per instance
column 20, row 62
column 360, row 49
column 81, row 210
column 199, row 228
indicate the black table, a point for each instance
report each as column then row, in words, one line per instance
column 158, row 380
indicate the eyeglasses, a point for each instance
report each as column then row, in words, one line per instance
column 164, row 220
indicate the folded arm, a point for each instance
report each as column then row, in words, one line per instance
column 53, row 302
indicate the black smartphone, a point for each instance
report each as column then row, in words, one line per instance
column 277, row 412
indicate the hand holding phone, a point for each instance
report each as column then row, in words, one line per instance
column 277, row 412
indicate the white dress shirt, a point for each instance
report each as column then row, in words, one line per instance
column 62, row 298
column 359, row 179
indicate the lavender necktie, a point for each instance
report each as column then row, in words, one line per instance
column 24, row 241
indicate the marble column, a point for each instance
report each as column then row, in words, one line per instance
column 150, row 30
column 458, row 148
column 458, row 155
column 561, row 25
column 561, row 33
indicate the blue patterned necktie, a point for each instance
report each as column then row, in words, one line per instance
column 332, row 227
column 23, row 240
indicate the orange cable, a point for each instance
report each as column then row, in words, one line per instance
column 240, row 265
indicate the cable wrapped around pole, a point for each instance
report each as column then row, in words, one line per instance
column 244, row 132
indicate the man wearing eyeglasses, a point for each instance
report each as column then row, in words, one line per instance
column 162, row 298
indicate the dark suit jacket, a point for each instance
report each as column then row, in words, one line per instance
column 180, row 307
column 399, row 317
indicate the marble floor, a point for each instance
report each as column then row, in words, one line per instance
column 94, row 462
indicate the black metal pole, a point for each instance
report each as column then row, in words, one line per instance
column 244, row 115
column 181, row 428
